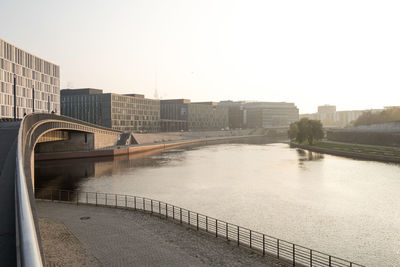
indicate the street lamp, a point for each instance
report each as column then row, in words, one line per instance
column 33, row 98
column 15, row 96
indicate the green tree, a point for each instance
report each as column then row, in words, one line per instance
column 369, row 117
column 293, row 131
column 306, row 130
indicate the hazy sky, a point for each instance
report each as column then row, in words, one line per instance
column 345, row 53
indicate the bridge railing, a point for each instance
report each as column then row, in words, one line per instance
column 263, row 244
column 28, row 242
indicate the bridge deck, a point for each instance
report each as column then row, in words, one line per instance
column 8, row 145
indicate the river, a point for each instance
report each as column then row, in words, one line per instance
column 344, row 207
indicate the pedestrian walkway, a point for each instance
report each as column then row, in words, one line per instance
column 117, row 237
column 8, row 144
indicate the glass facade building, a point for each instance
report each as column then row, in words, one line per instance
column 36, row 83
column 128, row 113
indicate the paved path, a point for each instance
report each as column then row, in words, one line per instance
column 117, row 237
column 8, row 144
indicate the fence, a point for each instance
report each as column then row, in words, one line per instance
column 263, row 244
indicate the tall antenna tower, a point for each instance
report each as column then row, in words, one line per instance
column 156, row 96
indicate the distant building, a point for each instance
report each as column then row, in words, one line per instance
column 243, row 114
column 271, row 114
column 237, row 114
column 174, row 115
column 129, row 113
column 30, row 74
column 181, row 114
column 329, row 117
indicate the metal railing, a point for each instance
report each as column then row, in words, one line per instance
column 263, row 244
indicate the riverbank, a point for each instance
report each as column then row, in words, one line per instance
column 356, row 151
column 133, row 149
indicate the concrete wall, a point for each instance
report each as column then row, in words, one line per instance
column 78, row 141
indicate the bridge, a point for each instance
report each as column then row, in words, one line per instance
column 19, row 229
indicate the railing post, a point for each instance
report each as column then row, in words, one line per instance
column 226, row 229
column 216, row 228
column 263, row 245
column 330, row 261
column 134, row 202
column 106, row 199
column 173, row 212
column 96, row 198
column 180, row 214
column 159, row 207
column 197, row 221
column 189, row 217
column 166, row 211
column 238, row 236
column 207, row 224
column 87, row 198
column 151, row 203
column 250, row 239
column 277, row 248
column 294, row 255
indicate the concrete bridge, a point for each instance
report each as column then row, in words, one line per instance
column 19, row 231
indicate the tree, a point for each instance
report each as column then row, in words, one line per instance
column 306, row 130
column 293, row 131
column 369, row 117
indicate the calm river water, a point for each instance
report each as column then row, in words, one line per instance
column 344, row 207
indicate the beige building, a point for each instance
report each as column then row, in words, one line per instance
column 128, row 113
column 329, row 117
column 27, row 83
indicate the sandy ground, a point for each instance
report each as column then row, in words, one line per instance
column 62, row 248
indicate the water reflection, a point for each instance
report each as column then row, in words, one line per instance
column 68, row 174
column 305, row 155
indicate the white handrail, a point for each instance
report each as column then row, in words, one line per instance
column 29, row 251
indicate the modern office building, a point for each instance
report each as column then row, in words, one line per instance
column 237, row 114
column 129, row 113
column 27, row 83
column 174, row 115
column 246, row 114
column 331, row 118
column 207, row 116
column 181, row 114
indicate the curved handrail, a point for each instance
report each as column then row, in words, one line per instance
column 28, row 250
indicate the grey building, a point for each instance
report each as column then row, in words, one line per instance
column 129, row 113
column 37, row 83
column 271, row 114
column 237, row 114
column 174, row 115
column 181, row 114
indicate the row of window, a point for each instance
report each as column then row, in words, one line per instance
column 28, row 80
column 27, row 60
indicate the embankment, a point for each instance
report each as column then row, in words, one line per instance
column 126, row 150
column 358, row 154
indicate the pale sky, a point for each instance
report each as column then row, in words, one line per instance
column 345, row 53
